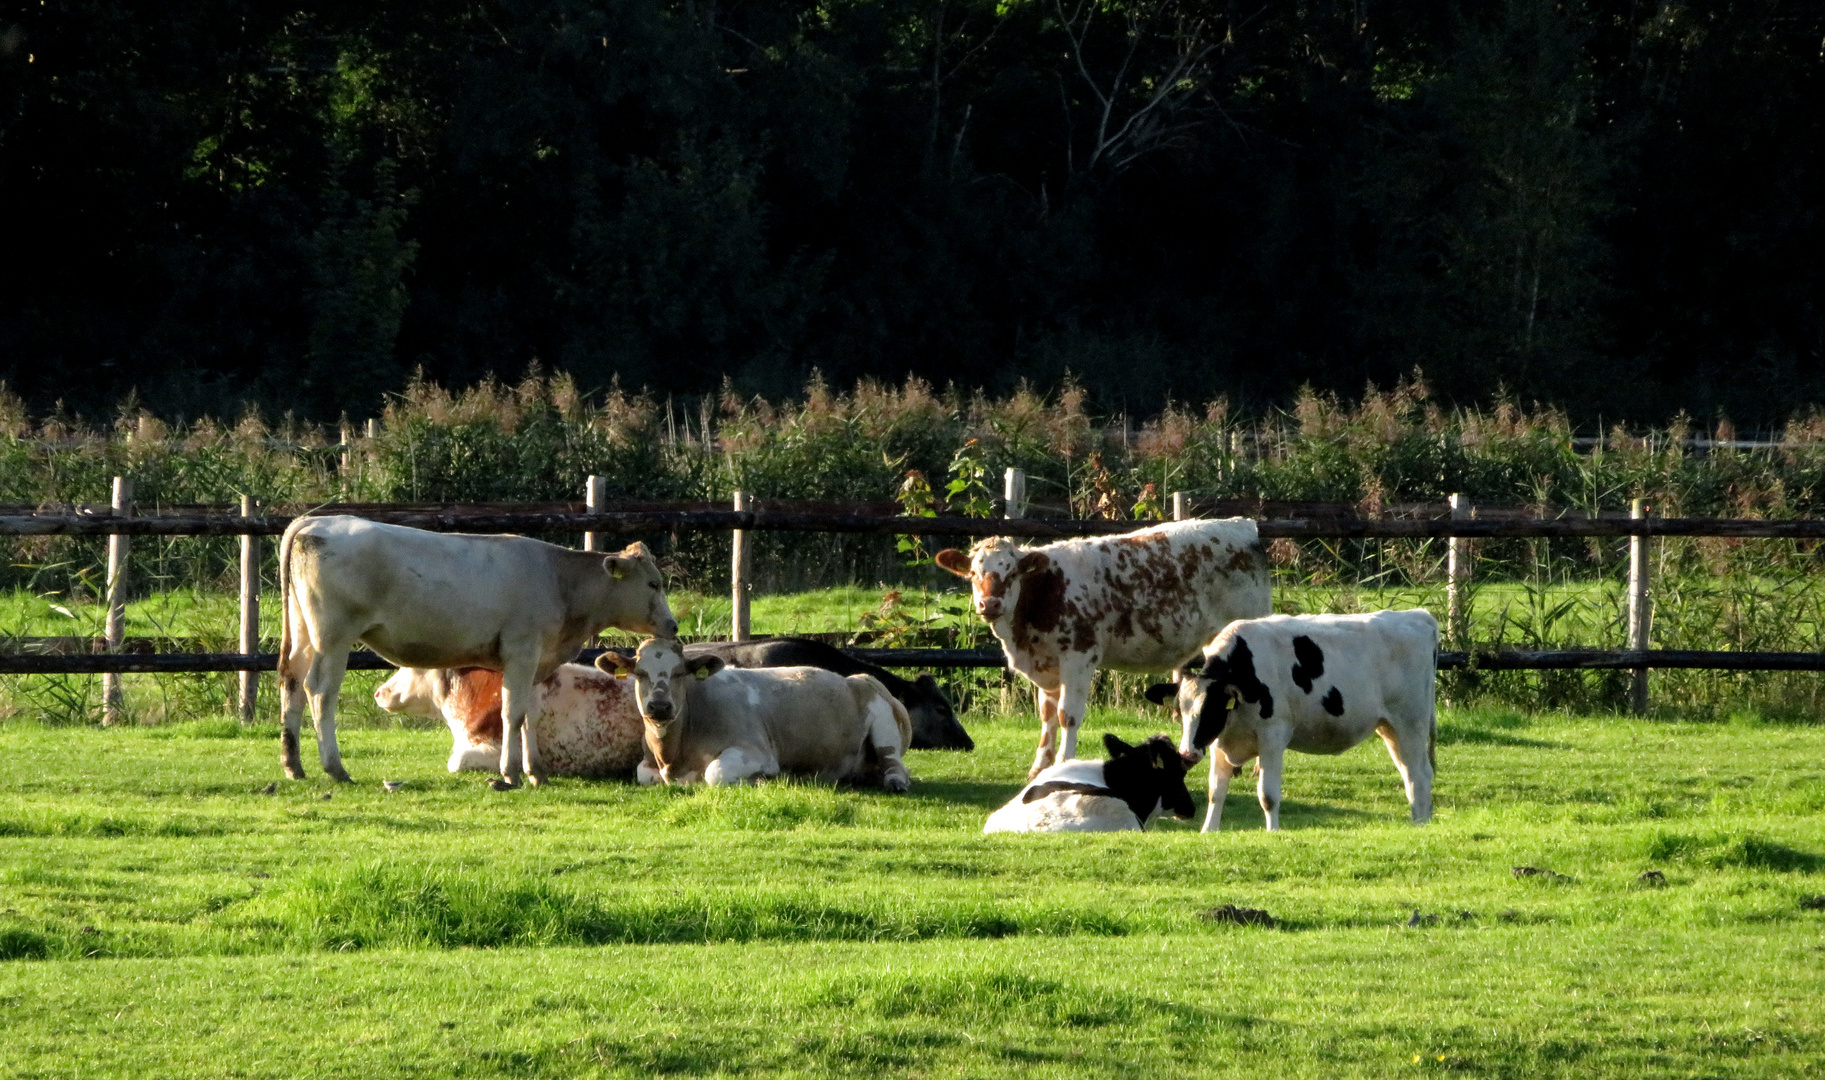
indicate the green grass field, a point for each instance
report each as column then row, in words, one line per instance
column 160, row 915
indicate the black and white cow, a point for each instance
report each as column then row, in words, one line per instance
column 1318, row 684
column 934, row 722
column 1121, row 794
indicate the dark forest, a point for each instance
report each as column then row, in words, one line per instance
column 1615, row 207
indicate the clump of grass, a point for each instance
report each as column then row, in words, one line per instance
column 1745, row 851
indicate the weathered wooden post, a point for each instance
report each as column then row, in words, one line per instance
column 1014, row 493
column 595, row 494
column 346, row 432
column 117, row 600
column 373, row 428
column 1178, row 506
column 738, row 576
column 1457, row 578
column 1641, row 612
column 250, row 611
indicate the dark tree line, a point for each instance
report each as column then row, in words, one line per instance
column 1618, row 205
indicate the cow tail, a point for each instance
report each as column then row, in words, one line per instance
column 285, row 627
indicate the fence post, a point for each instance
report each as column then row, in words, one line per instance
column 1457, row 576
column 1014, row 493
column 738, row 576
column 1641, row 614
column 347, row 433
column 595, row 493
column 117, row 600
column 1178, row 506
column 250, row 612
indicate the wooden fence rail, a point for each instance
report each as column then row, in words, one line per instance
column 1531, row 660
column 626, row 523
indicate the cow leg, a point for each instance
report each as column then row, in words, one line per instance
column 518, row 709
column 1048, row 732
column 323, row 684
column 1074, row 702
column 884, row 735
column 738, row 764
column 1412, row 758
column 1267, row 789
column 647, row 772
column 1220, row 773
column 292, row 701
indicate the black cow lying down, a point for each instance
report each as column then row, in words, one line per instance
column 934, row 723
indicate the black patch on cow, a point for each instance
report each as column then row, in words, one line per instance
column 1241, row 675
column 1161, row 693
column 1333, row 702
column 1145, row 776
column 1053, row 787
column 1308, row 662
column 1212, row 715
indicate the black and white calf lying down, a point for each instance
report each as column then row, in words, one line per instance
column 711, row 723
column 1121, row 794
column 1318, row 684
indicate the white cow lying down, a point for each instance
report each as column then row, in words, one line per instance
column 721, row 725
column 588, row 723
column 1318, row 684
column 1135, row 785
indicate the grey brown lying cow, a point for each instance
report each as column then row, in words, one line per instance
column 934, row 723
column 710, row 723
column 1121, row 794
column 587, row 722
column 1318, row 684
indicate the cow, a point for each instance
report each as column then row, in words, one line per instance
column 433, row 600
column 1121, row 794
column 1143, row 602
column 587, row 722
column 1318, row 684
column 934, row 724
column 708, row 722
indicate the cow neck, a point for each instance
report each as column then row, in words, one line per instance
column 666, row 747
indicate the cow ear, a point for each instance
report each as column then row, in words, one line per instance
column 1115, row 746
column 615, row 662
column 1162, row 692
column 705, row 666
column 1033, row 562
column 926, row 682
column 1192, row 666
column 616, row 565
column 953, row 560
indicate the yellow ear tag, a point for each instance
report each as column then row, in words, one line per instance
column 617, row 571
column 701, row 674
column 620, row 673
column 1232, row 705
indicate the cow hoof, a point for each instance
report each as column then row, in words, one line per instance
column 897, row 784
column 501, row 783
column 536, row 779
column 294, row 772
column 341, row 776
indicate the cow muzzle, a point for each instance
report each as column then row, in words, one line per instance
column 658, row 711
column 989, row 607
column 1191, row 757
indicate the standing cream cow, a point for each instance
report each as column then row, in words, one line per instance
column 432, row 600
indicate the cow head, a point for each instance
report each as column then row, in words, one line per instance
column 658, row 667
column 994, row 568
column 1201, row 697
column 415, row 691
column 639, row 592
column 1150, row 777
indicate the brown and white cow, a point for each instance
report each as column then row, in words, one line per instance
column 434, row 600
column 710, row 723
column 588, row 723
column 1143, row 601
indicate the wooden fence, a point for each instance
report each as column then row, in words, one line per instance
column 1457, row 522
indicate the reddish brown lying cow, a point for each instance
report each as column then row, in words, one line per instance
column 588, row 723
column 1144, row 601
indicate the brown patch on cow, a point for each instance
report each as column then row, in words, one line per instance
column 1085, row 639
column 1042, row 601
column 475, row 701
column 1241, row 562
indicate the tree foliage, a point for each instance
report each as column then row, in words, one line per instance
column 1612, row 206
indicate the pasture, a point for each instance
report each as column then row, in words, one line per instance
column 162, row 915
